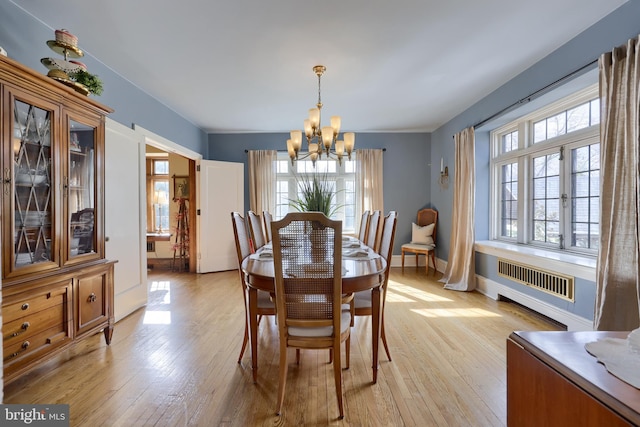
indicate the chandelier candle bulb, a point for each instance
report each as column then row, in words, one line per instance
column 349, row 141
column 314, row 117
column 290, row 149
column 327, row 137
column 296, row 139
column 335, row 124
column 307, row 128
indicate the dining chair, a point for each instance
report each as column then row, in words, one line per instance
column 423, row 237
column 364, row 227
column 372, row 232
column 267, row 218
column 361, row 304
column 255, row 230
column 265, row 305
column 307, row 253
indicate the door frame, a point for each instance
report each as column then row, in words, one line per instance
column 167, row 145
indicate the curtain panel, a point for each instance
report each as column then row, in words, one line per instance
column 460, row 274
column 617, row 273
column 369, row 181
column 262, row 180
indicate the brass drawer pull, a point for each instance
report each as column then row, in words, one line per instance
column 24, row 327
column 92, row 297
column 24, row 346
column 25, row 306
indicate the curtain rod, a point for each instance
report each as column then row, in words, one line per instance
column 285, row 151
column 535, row 94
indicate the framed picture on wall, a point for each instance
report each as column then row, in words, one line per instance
column 180, row 187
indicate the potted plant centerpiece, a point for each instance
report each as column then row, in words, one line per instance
column 316, row 194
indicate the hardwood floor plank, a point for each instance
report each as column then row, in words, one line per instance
column 174, row 363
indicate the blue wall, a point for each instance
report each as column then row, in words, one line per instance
column 24, row 38
column 406, row 167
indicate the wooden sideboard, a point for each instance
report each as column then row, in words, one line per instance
column 553, row 381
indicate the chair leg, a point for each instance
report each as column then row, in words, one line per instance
column 347, row 352
column 330, row 355
column 337, row 376
column 245, row 340
column 402, row 257
column 384, row 340
column 283, row 377
column 433, row 258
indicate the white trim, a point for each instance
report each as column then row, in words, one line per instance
column 561, row 262
column 493, row 290
column 162, row 143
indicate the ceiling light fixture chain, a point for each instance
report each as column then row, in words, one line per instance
column 320, row 140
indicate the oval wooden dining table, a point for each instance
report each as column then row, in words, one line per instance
column 361, row 274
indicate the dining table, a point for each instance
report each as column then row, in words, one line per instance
column 362, row 270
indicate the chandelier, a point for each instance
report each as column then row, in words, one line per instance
column 320, row 140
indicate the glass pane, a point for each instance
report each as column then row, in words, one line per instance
column 33, row 204
column 81, row 189
column 595, row 111
column 553, row 234
column 539, row 209
column 540, row 131
column 539, row 167
column 553, row 187
column 578, row 118
column 161, row 167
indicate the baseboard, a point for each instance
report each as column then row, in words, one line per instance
column 493, row 290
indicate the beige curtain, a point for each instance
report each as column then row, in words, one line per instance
column 369, row 181
column 460, row 274
column 617, row 273
column 262, row 180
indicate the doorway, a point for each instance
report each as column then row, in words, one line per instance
column 171, row 236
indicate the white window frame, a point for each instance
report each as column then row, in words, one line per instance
column 340, row 177
column 524, row 155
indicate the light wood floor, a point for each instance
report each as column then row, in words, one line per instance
column 174, row 363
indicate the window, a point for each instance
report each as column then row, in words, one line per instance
column 546, row 176
column 158, row 195
column 341, row 175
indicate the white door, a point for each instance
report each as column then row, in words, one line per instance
column 221, row 191
column 125, row 216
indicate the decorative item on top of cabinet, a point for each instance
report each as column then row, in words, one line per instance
column 57, row 287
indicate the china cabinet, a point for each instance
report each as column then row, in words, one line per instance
column 57, row 286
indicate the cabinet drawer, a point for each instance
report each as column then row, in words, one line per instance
column 92, row 304
column 36, row 345
column 18, row 307
column 25, row 327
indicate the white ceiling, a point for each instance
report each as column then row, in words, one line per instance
column 246, row 65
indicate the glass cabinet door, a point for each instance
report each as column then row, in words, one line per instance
column 33, row 204
column 81, row 189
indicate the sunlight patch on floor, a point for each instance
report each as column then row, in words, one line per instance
column 152, row 317
column 159, row 296
column 395, row 287
column 454, row 312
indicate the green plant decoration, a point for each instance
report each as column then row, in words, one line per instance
column 91, row 81
column 316, row 194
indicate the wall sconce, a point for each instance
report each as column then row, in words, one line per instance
column 444, row 174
